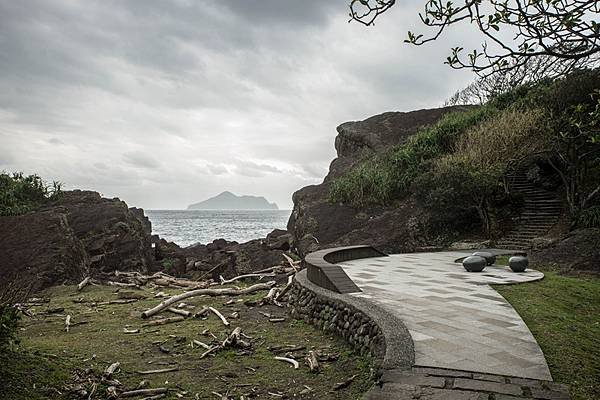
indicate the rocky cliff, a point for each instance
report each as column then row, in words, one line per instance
column 79, row 234
column 315, row 222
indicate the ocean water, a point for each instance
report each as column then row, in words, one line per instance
column 187, row 227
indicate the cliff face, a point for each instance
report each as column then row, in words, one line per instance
column 78, row 235
column 315, row 222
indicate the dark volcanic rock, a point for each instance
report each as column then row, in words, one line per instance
column 41, row 248
column 220, row 257
column 114, row 236
column 315, row 222
column 79, row 234
column 577, row 251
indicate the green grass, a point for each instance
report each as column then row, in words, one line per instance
column 380, row 179
column 101, row 341
column 563, row 313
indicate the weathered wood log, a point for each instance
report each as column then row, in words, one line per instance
column 67, row 323
column 270, row 298
column 346, row 383
column 201, row 344
column 218, row 314
column 211, row 350
column 121, row 284
column 312, row 362
column 289, row 360
column 202, row 313
column 286, row 288
column 290, row 261
column 119, row 301
column 260, row 276
column 179, row 311
column 144, row 392
column 210, row 292
column 130, row 331
column 83, row 284
column 275, row 320
column 164, row 321
column 111, row 370
column 158, row 371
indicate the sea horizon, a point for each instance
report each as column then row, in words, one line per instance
column 187, row 227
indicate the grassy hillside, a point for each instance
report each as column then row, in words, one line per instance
column 455, row 167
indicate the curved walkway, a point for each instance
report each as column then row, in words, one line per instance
column 457, row 321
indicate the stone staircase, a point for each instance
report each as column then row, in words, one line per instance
column 541, row 211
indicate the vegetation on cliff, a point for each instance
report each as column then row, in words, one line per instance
column 456, row 167
column 21, row 193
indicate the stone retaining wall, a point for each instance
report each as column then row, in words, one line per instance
column 365, row 326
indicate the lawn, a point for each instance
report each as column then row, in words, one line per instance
column 563, row 313
column 100, row 340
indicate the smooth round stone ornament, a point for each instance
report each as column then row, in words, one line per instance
column 474, row 263
column 518, row 263
column 489, row 257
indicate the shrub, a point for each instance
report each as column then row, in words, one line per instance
column 382, row 178
column 589, row 218
column 470, row 178
column 20, row 194
column 12, row 292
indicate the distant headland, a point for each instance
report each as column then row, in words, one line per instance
column 229, row 201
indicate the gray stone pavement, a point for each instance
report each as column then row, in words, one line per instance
column 457, row 321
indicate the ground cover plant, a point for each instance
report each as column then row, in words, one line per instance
column 97, row 338
column 563, row 313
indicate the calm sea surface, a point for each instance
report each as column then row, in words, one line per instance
column 186, row 227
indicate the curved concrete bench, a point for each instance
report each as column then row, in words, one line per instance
column 322, row 269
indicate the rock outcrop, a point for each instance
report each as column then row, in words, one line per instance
column 315, row 222
column 40, row 249
column 79, row 234
column 114, row 236
column 222, row 257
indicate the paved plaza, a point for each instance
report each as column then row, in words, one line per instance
column 457, row 321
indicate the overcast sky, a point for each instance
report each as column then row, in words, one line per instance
column 165, row 103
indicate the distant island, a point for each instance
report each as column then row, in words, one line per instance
column 229, row 201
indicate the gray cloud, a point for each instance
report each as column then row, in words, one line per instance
column 143, row 99
column 141, row 160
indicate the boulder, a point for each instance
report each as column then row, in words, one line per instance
column 114, row 236
column 317, row 223
column 518, row 263
column 279, row 239
column 474, row 263
column 78, row 234
column 42, row 249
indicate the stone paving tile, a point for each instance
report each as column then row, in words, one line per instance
column 456, row 319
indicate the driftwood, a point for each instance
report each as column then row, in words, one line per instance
column 121, row 284
column 83, row 284
column 274, row 320
column 129, row 331
column 164, row 321
column 286, row 288
column 119, row 301
column 111, row 370
column 235, row 339
column 202, row 313
column 270, row 298
column 312, row 362
column 67, row 323
column 218, row 314
column 290, row 261
column 289, row 360
column 201, row 344
column 210, row 350
column 179, row 311
column 158, row 371
column 144, row 392
column 158, row 396
column 211, row 292
column 257, row 275
column 346, row 383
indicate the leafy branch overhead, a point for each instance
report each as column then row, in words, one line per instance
column 566, row 32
